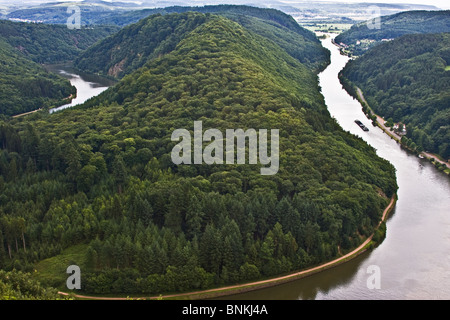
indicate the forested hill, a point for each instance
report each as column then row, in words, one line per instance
column 44, row 43
column 134, row 45
column 360, row 37
column 408, row 80
column 95, row 185
column 273, row 16
column 26, row 85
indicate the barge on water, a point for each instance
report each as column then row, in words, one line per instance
column 361, row 125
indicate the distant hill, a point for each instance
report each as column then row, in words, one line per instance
column 26, row 85
column 134, row 45
column 45, row 43
column 122, row 19
column 100, row 175
column 57, row 12
column 360, row 37
column 408, row 80
column 123, row 13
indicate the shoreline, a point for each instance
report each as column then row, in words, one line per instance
column 256, row 285
column 26, row 113
column 64, row 102
column 230, row 290
column 379, row 121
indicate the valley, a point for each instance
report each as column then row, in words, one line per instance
column 136, row 183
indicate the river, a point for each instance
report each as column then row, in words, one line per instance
column 414, row 259
column 88, row 85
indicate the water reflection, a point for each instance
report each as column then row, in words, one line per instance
column 414, row 259
column 87, row 85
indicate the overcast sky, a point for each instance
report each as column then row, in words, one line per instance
column 443, row 4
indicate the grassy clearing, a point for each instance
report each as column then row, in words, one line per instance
column 447, row 68
column 52, row 271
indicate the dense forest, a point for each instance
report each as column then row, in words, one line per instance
column 16, row 285
column 99, row 179
column 45, row 43
column 134, row 45
column 360, row 37
column 272, row 16
column 407, row 80
column 26, row 85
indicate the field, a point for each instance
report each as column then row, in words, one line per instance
column 326, row 27
column 52, row 271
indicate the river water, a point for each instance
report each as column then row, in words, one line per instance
column 414, row 259
column 87, row 85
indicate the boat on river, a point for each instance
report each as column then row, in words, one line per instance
column 361, row 125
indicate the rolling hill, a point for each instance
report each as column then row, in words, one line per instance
column 24, row 47
column 45, row 43
column 360, row 37
column 101, row 175
column 26, row 85
column 407, row 80
column 134, row 45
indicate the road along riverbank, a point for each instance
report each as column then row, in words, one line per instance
column 256, row 285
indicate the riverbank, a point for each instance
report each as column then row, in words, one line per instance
column 379, row 120
column 64, row 102
column 26, row 113
column 381, row 124
column 413, row 257
column 256, row 285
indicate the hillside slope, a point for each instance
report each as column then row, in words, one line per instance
column 101, row 174
column 44, row 43
column 26, row 85
column 408, row 80
column 134, row 45
column 360, row 37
